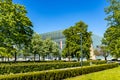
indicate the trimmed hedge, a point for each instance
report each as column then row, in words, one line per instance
column 98, row 62
column 29, row 67
column 14, row 62
column 52, row 61
column 57, row 74
column 19, row 62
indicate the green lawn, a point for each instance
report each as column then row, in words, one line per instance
column 111, row 74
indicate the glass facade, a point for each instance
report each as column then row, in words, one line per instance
column 57, row 36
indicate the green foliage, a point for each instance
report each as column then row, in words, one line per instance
column 2, row 51
column 112, row 11
column 110, row 74
column 111, row 36
column 57, row 74
column 22, row 67
column 5, row 53
column 50, row 48
column 73, row 40
column 112, row 40
column 15, row 26
column 44, row 48
column 47, row 47
column 102, row 51
column 55, row 50
column 98, row 62
column 29, row 67
column 36, row 45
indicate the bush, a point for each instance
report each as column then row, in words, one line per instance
column 29, row 67
column 98, row 62
column 57, row 74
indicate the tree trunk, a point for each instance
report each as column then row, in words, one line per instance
column 78, row 59
column 68, row 58
column 55, row 58
column 105, row 58
column 8, row 59
column 60, row 54
column 34, row 56
column 15, row 56
column 5, row 59
column 39, row 57
column 59, row 58
column 2, row 58
column 25, row 58
column 43, row 58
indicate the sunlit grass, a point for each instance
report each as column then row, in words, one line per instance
column 111, row 74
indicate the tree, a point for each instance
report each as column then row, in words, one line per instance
column 66, row 51
column 5, row 53
column 112, row 11
column 73, row 40
column 104, row 51
column 55, row 50
column 26, row 52
column 15, row 26
column 97, row 52
column 36, row 44
column 112, row 36
column 2, row 52
column 115, row 48
column 111, row 39
column 50, row 48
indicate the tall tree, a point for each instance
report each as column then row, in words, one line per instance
column 104, row 51
column 15, row 26
column 112, row 11
column 49, row 48
column 26, row 52
column 55, row 50
column 36, row 44
column 73, row 41
column 112, row 36
column 111, row 39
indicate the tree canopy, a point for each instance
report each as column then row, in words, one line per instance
column 15, row 26
column 112, row 35
column 73, row 41
column 113, row 12
column 44, row 48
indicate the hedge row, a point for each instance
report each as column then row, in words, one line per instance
column 19, row 62
column 98, row 62
column 22, row 68
column 57, row 74
column 57, row 61
column 14, row 62
column 29, row 67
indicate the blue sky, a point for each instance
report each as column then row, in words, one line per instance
column 52, row 15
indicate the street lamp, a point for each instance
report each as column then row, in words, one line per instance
column 81, row 48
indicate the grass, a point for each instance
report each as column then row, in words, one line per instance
column 111, row 74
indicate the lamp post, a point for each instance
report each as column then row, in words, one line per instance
column 81, row 49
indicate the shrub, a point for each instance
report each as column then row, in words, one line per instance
column 57, row 74
column 29, row 67
column 98, row 62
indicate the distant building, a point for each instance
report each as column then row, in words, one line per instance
column 58, row 37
